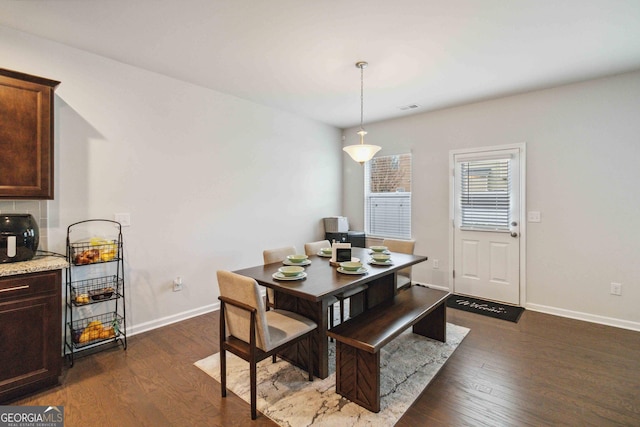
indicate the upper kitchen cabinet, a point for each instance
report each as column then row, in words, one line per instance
column 26, row 136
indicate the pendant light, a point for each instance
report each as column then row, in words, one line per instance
column 362, row 152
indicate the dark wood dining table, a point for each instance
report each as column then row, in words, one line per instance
column 310, row 296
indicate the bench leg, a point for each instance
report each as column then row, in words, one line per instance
column 358, row 376
column 434, row 324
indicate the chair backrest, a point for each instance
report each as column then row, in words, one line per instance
column 245, row 290
column 314, row 247
column 402, row 246
column 279, row 254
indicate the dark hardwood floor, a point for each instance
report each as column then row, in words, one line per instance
column 542, row 371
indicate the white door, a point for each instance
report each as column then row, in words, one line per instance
column 487, row 224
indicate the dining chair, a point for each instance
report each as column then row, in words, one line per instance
column 314, row 247
column 251, row 332
column 276, row 255
column 279, row 255
column 405, row 247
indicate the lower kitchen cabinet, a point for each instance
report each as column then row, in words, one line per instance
column 30, row 332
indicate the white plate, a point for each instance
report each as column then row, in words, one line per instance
column 383, row 252
column 361, row 270
column 280, row 276
column 324, row 255
column 301, row 264
column 374, row 262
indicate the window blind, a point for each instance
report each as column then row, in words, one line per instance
column 388, row 196
column 485, row 194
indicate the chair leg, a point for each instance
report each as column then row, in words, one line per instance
column 252, row 374
column 310, row 356
column 273, row 358
column 341, row 310
column 331, row 316
column 330, row 320
column 223, row 371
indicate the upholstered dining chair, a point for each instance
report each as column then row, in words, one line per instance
column 276, row 255
column 312, row 249
column 279, row 254
column 251, row 332
column 405, row 247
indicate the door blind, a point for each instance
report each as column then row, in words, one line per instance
column 485, row 194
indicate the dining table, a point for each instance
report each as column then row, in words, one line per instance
column 310, row 296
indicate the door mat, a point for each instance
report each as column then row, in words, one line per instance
column 486, row 308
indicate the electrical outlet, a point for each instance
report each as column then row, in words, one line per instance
column 436, row 263
column 177, row 284
column 616, row 288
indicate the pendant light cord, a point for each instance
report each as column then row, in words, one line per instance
column 361, row 96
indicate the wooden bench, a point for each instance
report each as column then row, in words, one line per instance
column 359, row 340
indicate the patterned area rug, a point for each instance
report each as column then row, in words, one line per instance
column 408, row 364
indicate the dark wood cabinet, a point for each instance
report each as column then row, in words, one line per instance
column 26, row 136
column 30, row 332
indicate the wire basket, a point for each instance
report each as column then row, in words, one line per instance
column 97, row 289
column 96, row 328
column 95, row 251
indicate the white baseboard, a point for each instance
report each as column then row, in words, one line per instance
column 174, row 318
column 609, row 321
column 593, row 318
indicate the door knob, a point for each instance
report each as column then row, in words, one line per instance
column 514, row 234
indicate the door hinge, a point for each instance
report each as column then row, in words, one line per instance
column 454, row 274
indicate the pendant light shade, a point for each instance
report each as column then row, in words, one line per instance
column 362, row 152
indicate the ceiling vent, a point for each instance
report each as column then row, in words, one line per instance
column 409, row 107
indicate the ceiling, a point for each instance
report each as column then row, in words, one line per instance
column 300, row 55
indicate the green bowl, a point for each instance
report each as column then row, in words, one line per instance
column 380, row 257
column 298, row 258
column 350, row 265
column 291, row 270
column 378, row 248
column 326, row 251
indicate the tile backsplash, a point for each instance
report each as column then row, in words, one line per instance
column 37, row 208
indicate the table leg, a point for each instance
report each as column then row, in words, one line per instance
column 297, row 354
column 434, row 324
column 380, row 290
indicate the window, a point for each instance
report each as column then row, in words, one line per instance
column 388, row 196
column 485, row 194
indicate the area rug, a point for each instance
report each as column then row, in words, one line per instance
column 486, row 308
column 408, row 364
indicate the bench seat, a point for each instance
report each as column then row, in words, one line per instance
column 359, row 340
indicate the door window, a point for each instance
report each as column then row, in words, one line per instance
column 485, row 194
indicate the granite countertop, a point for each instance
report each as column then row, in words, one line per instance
column 35, row 265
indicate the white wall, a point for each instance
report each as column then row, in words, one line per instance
column 583, row 148
column 210, row 180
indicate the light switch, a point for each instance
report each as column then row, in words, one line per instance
column 533, row 216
